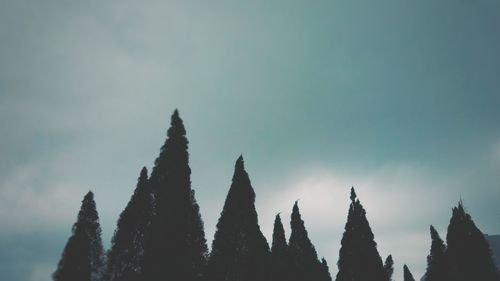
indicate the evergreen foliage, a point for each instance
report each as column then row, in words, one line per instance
column 280, row 265
column 305, row 265
column 125, row 259
column 175, row 245
column 83, row 255
column 359, row 259
column 468, row 251
column 407, row 276
column 239, row 251
column 389, row 267
column 437, row 269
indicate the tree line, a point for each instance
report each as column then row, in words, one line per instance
column 160, row 237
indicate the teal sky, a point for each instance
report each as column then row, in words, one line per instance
column 398, row 98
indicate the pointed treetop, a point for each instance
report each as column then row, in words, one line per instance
column 176, row 125
column 279, row 241
column 407, row 276
column 89, row 196
column 240, row 163
column 144, row 173
column 295, row 209
column 353, row 194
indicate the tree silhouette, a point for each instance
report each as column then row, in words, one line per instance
column 83, row 255
column 125, row 259
column 359, row 259
column 175, row 246
column 407, row 276
column 389, row 267
column 303, row 257
column 437, row 266
column 468, row 252
column 239, row 250
column 280, row 264
column 325, row 271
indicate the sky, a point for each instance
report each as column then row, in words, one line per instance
column 397, row 98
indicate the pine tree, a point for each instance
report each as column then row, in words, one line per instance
column 468, row 252
column 83, row 255
column 359, row 259
column 280, row 266
column 125, row 259
column 305, row 265
column 407, row 276
column 239, row 250
column 175, row 245
column 437, row 269
column 389, row 267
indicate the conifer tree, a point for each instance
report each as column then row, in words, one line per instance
column 407, row 276
column 83, row 255
column 437, row 269
column 280, row 267
column 389, row 267
column 305, row 265
column 468, row 252
column 175, row 245
column 359, row 259
column 239, row 250
column 125, row 259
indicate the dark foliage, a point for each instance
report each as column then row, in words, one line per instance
column 359, row 259
column 83, row 256
column 280, row 264
column 389, row 267
column 325, row 271
column 468, row 251
column 175, row 246
column 437, row 266
column 125, row 259
column 305, row 265
column 407, row 276
column 239, row 251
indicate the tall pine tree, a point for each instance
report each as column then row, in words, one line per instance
column 468, row 252
column 239, row 250
column 175, row 246
column 280, row 266
column 437, row 266
column 83, row 256
column 407, row 276
column 125, row 259
column 359, row 259
column 305, row 265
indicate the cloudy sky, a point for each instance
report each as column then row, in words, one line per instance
column 398, row 98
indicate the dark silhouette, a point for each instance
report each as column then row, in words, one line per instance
column 468, row 251
column 125, row 259
column 389, row 268
column 437, row 265
column 239, row 251
column 359, row 259
column 83, row 255
column 280, row 264
column 303, row 256
column 407, row 276
column 325, row 271
column 175, row 246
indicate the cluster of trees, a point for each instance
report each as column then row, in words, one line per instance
column 160, row 237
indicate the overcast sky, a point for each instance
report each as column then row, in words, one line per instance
column 398, row 98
